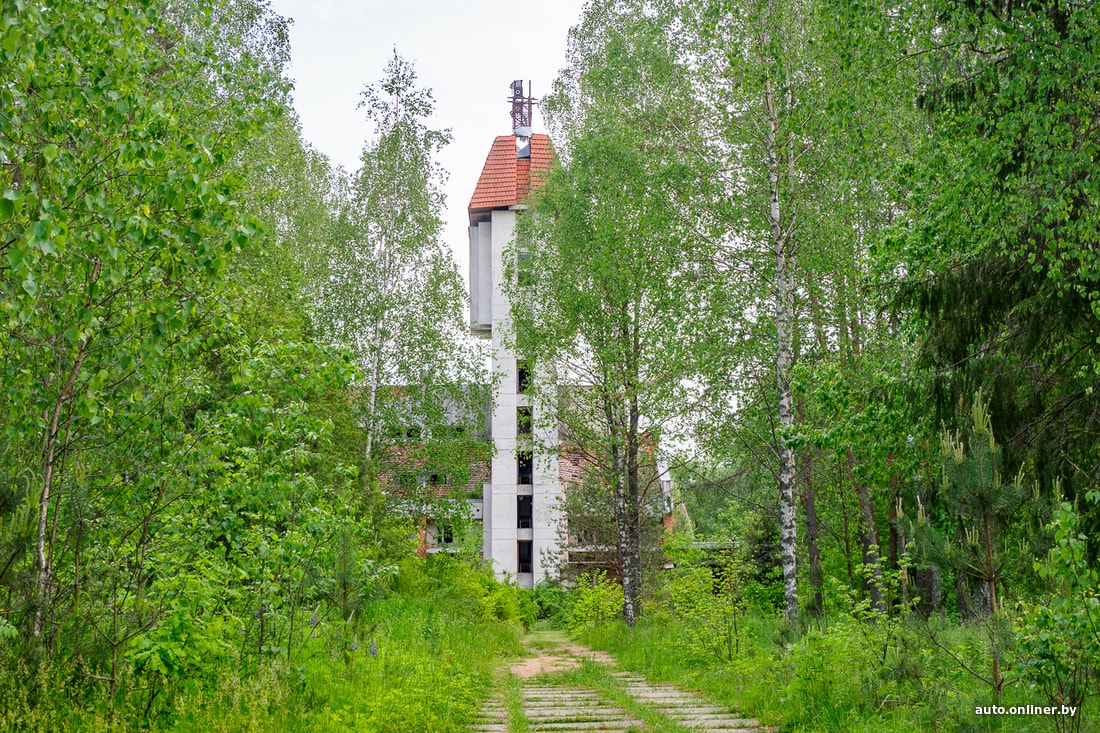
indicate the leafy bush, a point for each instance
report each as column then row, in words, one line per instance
column 554, row 603
column 596, row 600
column 833, row 676
column 507, row 602
column 417, row 660
column 767, row 596
column 712, row 608
column 1058, row 639
column 473, row 587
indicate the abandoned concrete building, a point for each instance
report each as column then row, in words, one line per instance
column 521, row 493
column 520, row 501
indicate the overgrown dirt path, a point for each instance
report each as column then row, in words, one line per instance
column 568, row 688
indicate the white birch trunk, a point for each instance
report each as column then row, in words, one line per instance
column 783, row 308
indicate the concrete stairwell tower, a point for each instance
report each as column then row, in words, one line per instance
column 521, row 498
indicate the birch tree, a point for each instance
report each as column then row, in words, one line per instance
column 610, row 306
column 799, row 138
column 388, row 288
column 604, row 317
column 756, row 97
column 117, row 217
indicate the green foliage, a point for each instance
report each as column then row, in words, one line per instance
column 182, row 514
column 606, row 318
column 711, row 606
column 980, row 501
column 420, row 659
column 850, row 674
column 508, row 602
column 555, row 603
column 596, row 600
column 820, row 692
column 980, row 508
column 193, row 529
column 385, row 286
column 1058, row 639
column 999, row 243
column 477, row 589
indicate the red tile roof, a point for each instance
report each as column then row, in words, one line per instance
column 505, row 180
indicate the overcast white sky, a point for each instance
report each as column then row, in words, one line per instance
column 467, row 51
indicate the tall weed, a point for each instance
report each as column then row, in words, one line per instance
column 418, row 658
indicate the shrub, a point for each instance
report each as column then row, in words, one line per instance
column 712, row 611
column 1058, row 639
column 554, row 603
column 596, row 600
column 833, row 676
column 507, row 602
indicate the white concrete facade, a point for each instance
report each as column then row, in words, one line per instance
column 519, row 549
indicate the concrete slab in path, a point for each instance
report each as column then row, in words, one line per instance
column 551, row 708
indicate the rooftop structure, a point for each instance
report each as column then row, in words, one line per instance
column 507, row 180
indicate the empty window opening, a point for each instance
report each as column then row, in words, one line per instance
column 524, row 552
column 523, row 377
column 523, row 421
column 525, row 468
column 523, row 512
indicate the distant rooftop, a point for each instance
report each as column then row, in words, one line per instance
column 506, row 180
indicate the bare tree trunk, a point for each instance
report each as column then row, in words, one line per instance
column 625, row 460
column 623, row 510
column 962, row 596
column 991, row 591
column 632, row 560
column 897, row 534
column 376, row 345
column 783, row 307
column 895, row 542
column 844, row 332
column 929, row 582
column 373, row 391
column 634, row 557
column 809, row 506
column 847, row 531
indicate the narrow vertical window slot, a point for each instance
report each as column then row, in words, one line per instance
column 524, row 512
column 524, row 551
column 525, row 468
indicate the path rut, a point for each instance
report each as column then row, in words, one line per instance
column 552, row 700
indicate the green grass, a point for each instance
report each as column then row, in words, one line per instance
column 437, row 649
column 512, row 687
column 432, row 671
column 846, row 678
column 543, row 636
